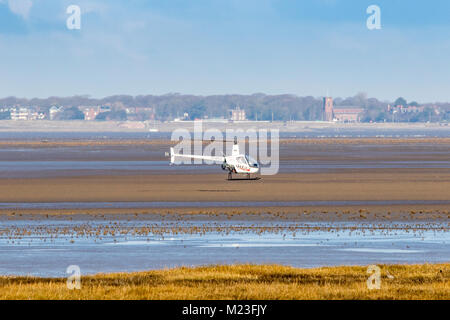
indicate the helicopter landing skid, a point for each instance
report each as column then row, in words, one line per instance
column 248, row 177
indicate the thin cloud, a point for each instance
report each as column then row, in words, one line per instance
column 20, row 7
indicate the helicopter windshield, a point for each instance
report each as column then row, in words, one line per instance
column 251, row 162
column 241, row 160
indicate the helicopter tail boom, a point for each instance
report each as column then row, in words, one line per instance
column 173, row 155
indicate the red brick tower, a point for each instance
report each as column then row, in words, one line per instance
column 327, row 109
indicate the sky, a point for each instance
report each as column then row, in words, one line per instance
column 205, row 47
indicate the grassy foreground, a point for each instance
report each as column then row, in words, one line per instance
column 243, row 282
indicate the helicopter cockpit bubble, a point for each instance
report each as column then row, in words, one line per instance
column 251, row 162
column 241, row 160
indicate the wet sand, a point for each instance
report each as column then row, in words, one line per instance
column 347, row 184
column 383, row 184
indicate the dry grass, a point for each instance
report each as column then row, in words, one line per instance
column 243, row 282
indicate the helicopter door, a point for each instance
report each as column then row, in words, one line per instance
column 241, row 163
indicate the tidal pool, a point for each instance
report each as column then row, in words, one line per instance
column 48, row 247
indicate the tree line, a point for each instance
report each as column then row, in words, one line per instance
column 257, row 106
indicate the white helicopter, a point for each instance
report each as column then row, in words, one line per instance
column 237, row 163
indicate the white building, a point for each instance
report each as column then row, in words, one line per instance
column 54, row 111
column 238, row 114
column 20, row 113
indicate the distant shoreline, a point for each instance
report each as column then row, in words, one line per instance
column 161, row 141
column 142, row 126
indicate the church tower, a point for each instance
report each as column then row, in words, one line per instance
column 327, row 109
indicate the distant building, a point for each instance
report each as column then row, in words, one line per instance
column 238, row 114
column 327, row 109
column 104, row 109
column 41, row 115
column 140, row 113
column 23, row 113
column 436, row 110
column 19, row 114
column 414, row 109
column 90, row 113
column 402, row 109
column 54, row 110
column 347, row 114
column 341, row 113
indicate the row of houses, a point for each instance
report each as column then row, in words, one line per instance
column 31, row 113
column 24, row 113
column 354, row 113
column 90, row 112
column 411, row 109
column 236, row 114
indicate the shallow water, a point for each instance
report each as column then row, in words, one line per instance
column 51, row 246
column 36, row 169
